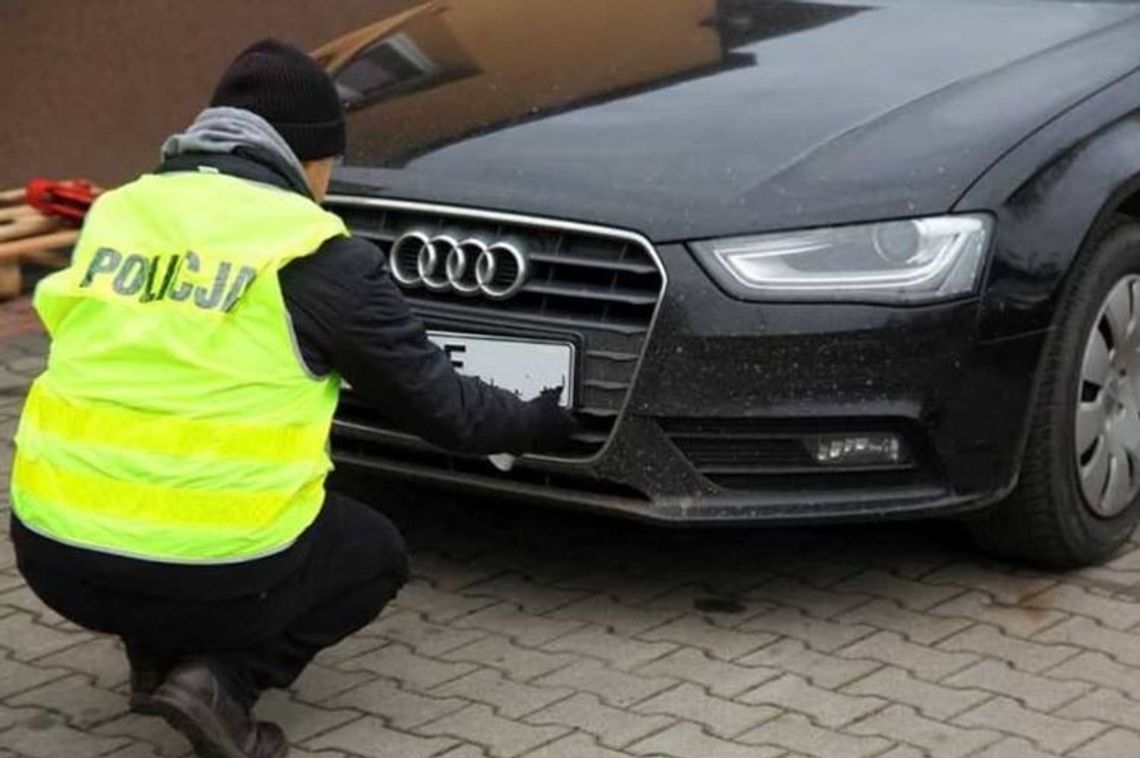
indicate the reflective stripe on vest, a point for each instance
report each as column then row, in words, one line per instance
column 175, row 421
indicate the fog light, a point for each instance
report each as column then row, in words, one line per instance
column 860, row 450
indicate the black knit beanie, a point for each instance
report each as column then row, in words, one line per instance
column 292, row 92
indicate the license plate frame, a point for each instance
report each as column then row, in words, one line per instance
column 550, row 362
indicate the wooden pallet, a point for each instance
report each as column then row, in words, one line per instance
column 26, row 236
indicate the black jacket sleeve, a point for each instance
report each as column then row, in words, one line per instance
column 349, row 317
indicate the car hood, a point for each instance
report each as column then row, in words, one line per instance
column 696, row 118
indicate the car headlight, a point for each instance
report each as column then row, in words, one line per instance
column 912, row 261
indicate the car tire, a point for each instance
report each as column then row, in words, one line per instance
column 1058, row 515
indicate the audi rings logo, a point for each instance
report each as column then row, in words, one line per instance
column 444, row 263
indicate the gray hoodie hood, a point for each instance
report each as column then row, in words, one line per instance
column 223, row 130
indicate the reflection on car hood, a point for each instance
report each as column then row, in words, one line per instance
column 695, row 118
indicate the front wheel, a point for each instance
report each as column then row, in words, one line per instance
column 1078, row 498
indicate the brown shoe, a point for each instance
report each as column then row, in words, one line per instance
column 194, row 701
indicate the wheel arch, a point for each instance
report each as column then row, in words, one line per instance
column 1053, row 197
column 1121, row 205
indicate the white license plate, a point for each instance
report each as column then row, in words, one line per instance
column 525, row 367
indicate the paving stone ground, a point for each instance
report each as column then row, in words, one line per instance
column 546, row 634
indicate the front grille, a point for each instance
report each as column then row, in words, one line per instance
column 597, row 288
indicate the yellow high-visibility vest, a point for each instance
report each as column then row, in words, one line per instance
column 176, row 421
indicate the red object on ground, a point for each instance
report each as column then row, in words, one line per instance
column 69, row 199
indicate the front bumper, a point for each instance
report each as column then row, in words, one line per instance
column 731, row 373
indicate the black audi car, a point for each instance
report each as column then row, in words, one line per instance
column 792, row 260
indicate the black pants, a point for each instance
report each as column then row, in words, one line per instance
column 355, row 564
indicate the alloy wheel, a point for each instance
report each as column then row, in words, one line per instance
column 1108, row 404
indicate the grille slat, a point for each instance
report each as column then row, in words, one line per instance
column 599, row 412
column 603, row 384
column 616, row 294
column 597, row 288
column 618, row 327
column 566, row 259
column 609, row 355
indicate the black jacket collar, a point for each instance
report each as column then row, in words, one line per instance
column 251, row 163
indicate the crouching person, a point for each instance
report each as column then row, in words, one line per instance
column 169, row 480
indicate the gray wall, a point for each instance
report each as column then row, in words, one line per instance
column 91, row 87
